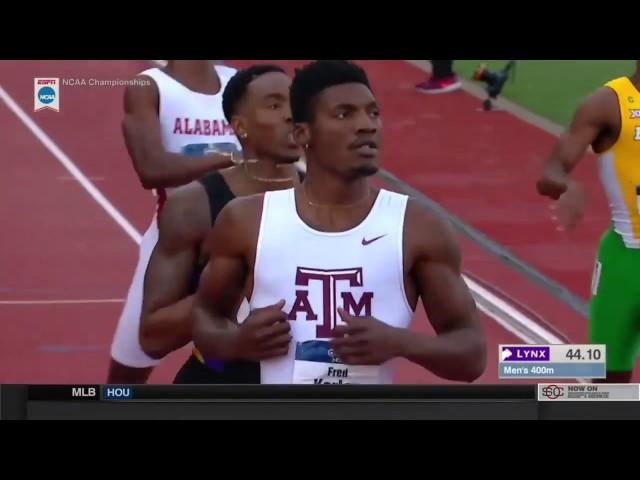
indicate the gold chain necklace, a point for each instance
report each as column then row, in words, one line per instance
column 263, row 179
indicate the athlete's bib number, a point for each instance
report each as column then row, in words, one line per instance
column 316, row 364
column 202, row 149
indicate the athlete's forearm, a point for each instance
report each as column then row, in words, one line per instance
column 167, row 329
column 556, row 167
column 565, row 157
column 213, row 335
column 457, row 355
column 173, row 169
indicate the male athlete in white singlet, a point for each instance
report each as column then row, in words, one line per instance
column 175, row 132
column 334, row 267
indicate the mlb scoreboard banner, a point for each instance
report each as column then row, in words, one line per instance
column 552, row 361
column 548, row 401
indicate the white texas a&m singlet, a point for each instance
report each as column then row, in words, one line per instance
column 360, row 270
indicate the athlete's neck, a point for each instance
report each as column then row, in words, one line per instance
column 195, row 68
column 264, row 169
column 198, row 75
column 323, row 188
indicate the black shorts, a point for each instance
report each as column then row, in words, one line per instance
column 194, row 372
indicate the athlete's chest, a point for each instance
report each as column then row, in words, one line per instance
column 361, row 274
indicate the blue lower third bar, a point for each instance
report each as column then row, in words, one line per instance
column 552, row 370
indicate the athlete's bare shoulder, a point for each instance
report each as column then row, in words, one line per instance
column 600, row 113
column 185, row 215
column 431, row 254
column 141, row 94
column 244, row 209
column 428, row 237
column 604, row 101
column 236, row 228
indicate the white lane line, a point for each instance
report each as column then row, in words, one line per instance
column 62, row 302
column 71, row 167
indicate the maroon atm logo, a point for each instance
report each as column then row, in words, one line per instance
column 330, row 280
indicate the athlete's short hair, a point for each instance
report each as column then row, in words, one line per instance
column 317, row 76
column 237, row 87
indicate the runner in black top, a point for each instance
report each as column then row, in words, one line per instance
column 256, row 103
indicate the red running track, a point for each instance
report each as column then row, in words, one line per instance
column 85, row 255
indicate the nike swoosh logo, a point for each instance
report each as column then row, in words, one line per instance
column 367, row 242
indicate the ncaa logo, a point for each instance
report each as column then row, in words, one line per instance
column 46, row 94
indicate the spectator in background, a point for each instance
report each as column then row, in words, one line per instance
column 443, row 78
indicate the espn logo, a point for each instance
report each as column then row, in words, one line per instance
column 46, row 94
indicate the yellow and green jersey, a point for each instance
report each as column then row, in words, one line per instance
column 620, row 165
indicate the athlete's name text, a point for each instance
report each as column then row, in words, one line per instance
column 332, row 372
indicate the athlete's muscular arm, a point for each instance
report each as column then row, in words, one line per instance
column 265, row 332
column 594, row 118
column 220, row 289
column 155, row 166
column 183, row 225
column 458, row 351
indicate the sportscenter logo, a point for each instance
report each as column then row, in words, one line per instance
column 552, row 392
